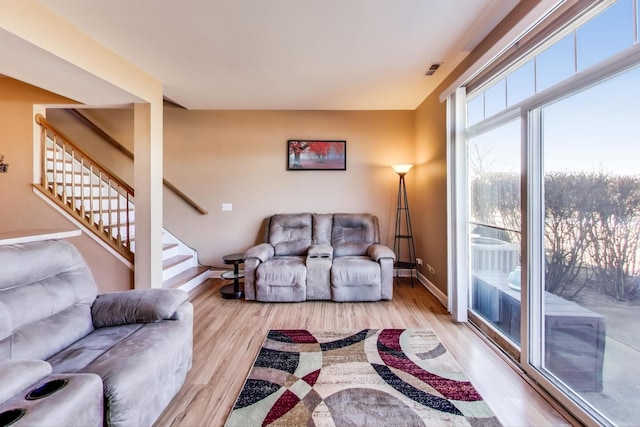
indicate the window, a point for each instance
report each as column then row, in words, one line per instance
column 551, row 171
column 591, row 292
column 494, row 222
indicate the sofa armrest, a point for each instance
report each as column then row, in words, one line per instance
column 263, row 252
column 136, row 306
column 19, row 374
column 378, row 252
column 320, row 251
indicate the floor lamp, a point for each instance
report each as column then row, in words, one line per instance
column 404, row 233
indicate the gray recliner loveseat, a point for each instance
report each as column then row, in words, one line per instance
column 71, row 357
column 309, row 256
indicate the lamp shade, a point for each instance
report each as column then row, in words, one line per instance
column 402, row 169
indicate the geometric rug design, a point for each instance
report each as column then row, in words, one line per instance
column 370, row 377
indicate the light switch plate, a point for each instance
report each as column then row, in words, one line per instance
column 227, row 207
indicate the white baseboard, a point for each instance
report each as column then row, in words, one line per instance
column 216, row 274
column 440, row 296
column 402, row 272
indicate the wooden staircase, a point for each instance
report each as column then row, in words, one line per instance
column 180, row 268
column 100, row 203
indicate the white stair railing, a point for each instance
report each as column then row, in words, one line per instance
column 87, row 190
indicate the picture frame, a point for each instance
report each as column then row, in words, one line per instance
column 307, row 155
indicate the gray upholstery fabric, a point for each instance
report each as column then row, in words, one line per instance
column 378, row 252
column 355, row 278
column 319, row 263
column 78, row 403
column 356, row 293
column 290, row 234
column 320, row 251
column 352, row 234
column 322, row 224
column 41, row 279
column 143, row 372
column 46, row 337
column 282, row 279
column 24, row 263
column 386, row 278
column 75, row 357
column 184, row 313
column 136, row 306
column 354, row 271
column 16, row 375
column 46, row 306
column 345, row 260
column 250, row 268
column 263, row 252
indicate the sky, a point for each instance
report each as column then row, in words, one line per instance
column 597, row 129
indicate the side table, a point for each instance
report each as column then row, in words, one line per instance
column 233, row 291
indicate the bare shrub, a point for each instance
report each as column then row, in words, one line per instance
column 567, row 226
column 615, row 233
column 495, row 200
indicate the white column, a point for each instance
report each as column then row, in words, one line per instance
column 148, row 194
column 457, row 246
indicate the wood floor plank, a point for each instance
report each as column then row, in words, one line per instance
column 229, row 333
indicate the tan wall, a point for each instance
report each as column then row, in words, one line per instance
column 239, row 157
column 429, row 203
column 118, row 123
column 430, row 177
column 21, row 208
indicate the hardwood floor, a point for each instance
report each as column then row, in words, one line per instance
column 229, row 333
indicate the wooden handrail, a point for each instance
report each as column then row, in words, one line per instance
column 104, row 135
column 184, row 197
column 45, row 124
column 100, row 132
column 65, row 169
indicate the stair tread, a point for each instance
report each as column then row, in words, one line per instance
column 107, row 210
column 74, row 172
column 174, row 260
column 185, row 276
column 67, row 161
column 167, row 246
column 122, row 224
column 79, row 184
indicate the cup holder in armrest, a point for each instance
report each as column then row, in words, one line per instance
column 46, row 389
column 11, row 416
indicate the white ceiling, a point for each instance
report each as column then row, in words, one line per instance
column 289, row 54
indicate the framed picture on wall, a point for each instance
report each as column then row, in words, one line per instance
column 312, row 155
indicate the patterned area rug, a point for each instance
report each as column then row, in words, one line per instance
column 373, row 377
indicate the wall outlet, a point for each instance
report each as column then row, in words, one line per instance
column 431, row 270
column 227, row 207
column 419, row 261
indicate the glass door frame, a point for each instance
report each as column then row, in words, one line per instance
column 532, row 211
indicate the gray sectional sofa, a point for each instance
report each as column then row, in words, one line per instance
column 71, row 357
column 309, row 256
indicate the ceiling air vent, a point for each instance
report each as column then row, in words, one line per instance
column 432, row 68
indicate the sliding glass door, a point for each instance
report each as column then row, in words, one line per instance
column 590, row 300
column 551, row 208
column 493, row 224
